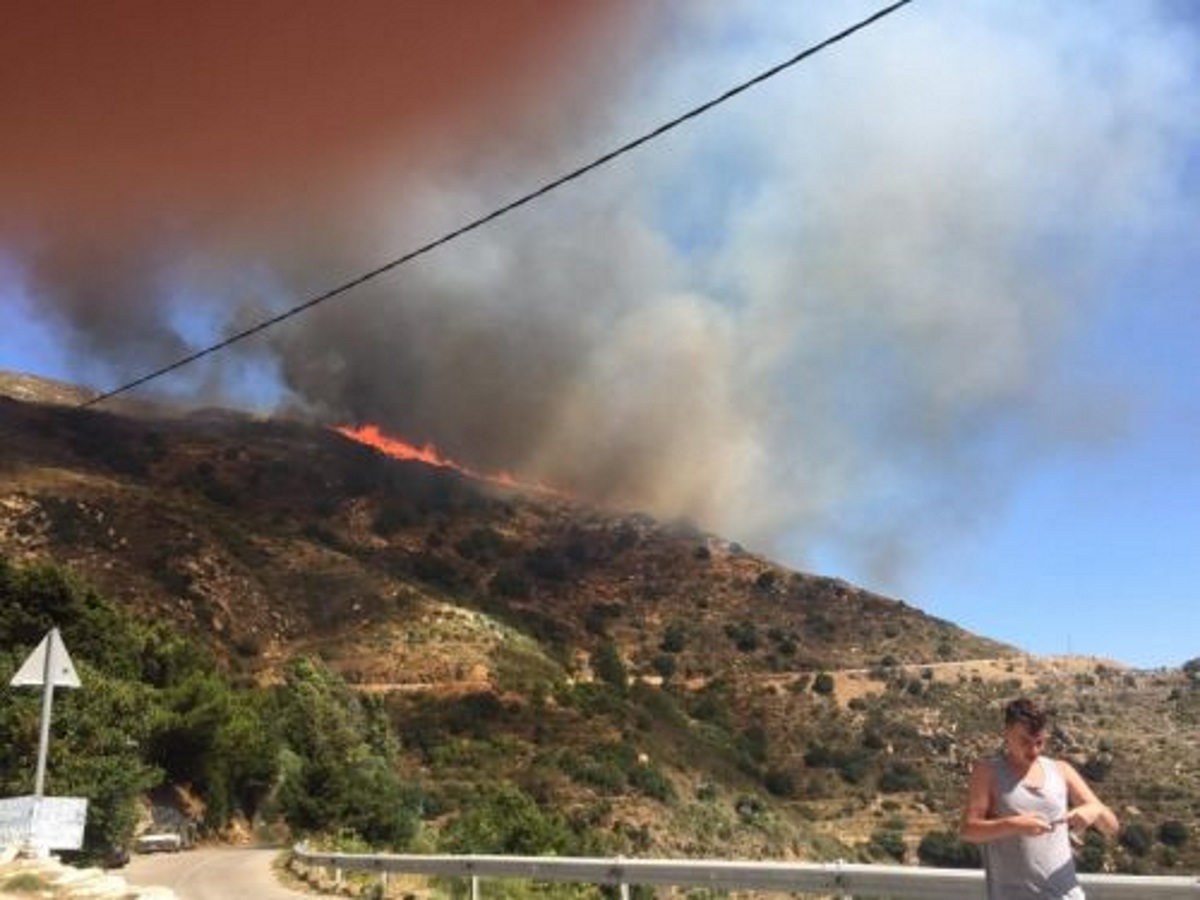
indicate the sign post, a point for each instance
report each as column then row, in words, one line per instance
column 48, row 666
column 51, row 667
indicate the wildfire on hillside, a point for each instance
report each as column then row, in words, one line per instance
column 430, row 455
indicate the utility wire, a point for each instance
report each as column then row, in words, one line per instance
column 523, row 200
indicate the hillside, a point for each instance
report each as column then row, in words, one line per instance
column 655, row 683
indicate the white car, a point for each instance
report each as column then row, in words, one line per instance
column 158, row 842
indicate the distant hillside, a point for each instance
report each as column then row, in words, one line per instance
column 32, row 389
column 659, row 683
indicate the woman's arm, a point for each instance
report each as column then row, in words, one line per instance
column 1086, row 809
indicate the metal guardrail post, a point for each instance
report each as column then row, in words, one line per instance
column 474, row 887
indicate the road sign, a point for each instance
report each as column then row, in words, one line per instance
column 49, row 661
column 49, row 666
column 48, row 823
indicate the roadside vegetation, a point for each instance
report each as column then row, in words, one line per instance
column 608, row 766
column 155, row 709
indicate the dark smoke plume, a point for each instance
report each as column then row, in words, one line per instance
column 838, row 308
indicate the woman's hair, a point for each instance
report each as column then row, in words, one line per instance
column 1027, row 712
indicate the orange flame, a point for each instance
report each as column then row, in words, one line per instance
column 372, row 436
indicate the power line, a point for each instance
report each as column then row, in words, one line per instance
column 497, row 213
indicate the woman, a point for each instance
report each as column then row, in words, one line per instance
column 1021, row 806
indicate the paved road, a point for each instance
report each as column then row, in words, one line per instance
column 212, row 873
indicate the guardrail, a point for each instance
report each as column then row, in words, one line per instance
column 844, row 880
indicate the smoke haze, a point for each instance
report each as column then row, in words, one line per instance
column 840, row 306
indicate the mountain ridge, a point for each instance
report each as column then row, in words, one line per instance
column 175, row 471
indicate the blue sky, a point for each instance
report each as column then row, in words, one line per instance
column 920, row 313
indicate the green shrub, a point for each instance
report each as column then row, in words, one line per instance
column 1136, row 838
column 753, row 741
column 780, row 783
column 599, row 615
column 604, row 775
column 652, row 782
column 1191, row 669
column 504, row 819
column 664, row 664
column 609, row 666
column 674, row 638
column 483, row 546
column 888, row 842
column 852, row 764
column 1091, row 856
column 744, row 636
column 901, row 776
column 547, row 564
column 1173, row 833
column 1096, row 767
column 946, row 850
column 510, row 584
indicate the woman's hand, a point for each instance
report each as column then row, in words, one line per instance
column 1084, row 815
column 1030, row 825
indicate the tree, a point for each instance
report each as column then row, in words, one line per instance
column 36, row 598
column 98, row 730
column 337, row 772
column 219, row 740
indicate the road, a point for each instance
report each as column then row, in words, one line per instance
column 212, row 873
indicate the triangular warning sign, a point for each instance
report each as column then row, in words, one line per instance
column 60, row 672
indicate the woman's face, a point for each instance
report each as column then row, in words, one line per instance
column 1022, row 745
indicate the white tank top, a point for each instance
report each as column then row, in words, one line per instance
column 1031, row 868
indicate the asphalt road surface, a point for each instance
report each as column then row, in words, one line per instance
column 212, row 873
